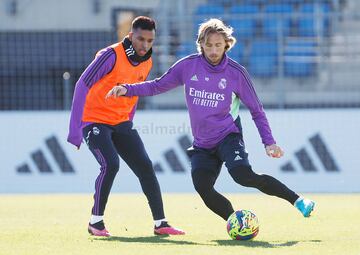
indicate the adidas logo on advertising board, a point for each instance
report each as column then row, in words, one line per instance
column 306, row 162
column 42, row 163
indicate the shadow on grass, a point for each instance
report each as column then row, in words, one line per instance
column 165, row 240
column 263, row 244
column 146, row 239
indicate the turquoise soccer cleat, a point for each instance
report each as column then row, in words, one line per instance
column 305, row 206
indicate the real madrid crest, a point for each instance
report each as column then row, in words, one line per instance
column 222, row 83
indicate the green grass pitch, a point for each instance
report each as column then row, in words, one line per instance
column 57, row 224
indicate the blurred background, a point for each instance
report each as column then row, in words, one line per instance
column 303, row 56
column 300, row 53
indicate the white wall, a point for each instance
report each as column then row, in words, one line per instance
column 22, row 133
column 64, row 14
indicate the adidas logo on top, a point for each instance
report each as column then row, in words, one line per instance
column 237, row 158
column 194, row 78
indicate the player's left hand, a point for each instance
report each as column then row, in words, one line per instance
column 116, row 91
column 274, row 151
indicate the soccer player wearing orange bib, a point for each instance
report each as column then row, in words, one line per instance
column 106, row 125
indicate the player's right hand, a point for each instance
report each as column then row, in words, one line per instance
column 116, row 91
column 274, row 151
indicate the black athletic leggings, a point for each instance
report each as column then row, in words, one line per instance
column 106, row 143
column 206, row 165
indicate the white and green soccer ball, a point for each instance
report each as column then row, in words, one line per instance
column 242, row 225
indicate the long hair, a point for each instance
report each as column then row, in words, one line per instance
column 215, row 26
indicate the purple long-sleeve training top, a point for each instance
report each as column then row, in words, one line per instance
column 213, row 95
column 98, row 68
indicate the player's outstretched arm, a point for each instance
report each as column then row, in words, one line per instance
column 169, row 80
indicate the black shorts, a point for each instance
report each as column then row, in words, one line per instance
column 230, row 150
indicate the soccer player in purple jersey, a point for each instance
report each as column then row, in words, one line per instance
column 214, row 86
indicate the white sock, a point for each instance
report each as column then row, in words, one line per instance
column 158, row 222
column 96, row 218
column 297, row 200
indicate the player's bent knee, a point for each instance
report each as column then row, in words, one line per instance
column 201, row 185
column 244, row 176
column 113, row 166
column 144, row 163
column 148, row 167
column 202, row 188
column 144, row 170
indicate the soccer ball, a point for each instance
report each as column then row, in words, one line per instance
column 242, row 225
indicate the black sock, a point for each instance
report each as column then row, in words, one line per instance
column 98, row 225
